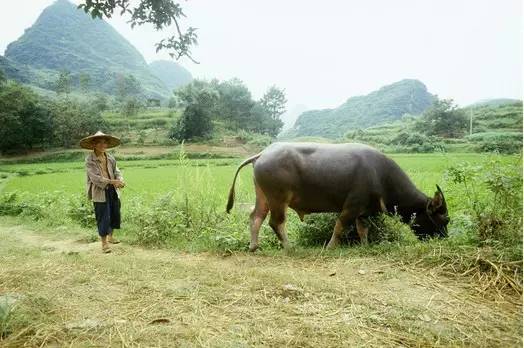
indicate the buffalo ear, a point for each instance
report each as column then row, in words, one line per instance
column 437, row 200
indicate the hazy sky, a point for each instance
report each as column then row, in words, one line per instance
column 324, row 52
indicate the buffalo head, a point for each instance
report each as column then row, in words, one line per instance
column 433, row 222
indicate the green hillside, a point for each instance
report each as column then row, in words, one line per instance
column 66, row 39
column 496, row 127
column 170, row 73
column 494, row 102
column 387, row 104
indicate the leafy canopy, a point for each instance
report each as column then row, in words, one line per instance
column 160, row 13
column 444, row 119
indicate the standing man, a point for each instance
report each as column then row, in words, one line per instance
column 104, row 180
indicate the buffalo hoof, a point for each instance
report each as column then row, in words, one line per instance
column 333, row 244
column 253, row 248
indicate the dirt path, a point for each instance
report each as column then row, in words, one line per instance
column 67, row 293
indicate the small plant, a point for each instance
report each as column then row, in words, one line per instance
column 9, row 204
column 141, row 137
column 165, row 220
column 318, row 228
column 494, row 198
column 80, row 210
column 6, row 310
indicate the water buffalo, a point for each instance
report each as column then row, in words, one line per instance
column 354, row 180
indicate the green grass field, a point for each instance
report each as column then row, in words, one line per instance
column 155, row 177
column 201, row 186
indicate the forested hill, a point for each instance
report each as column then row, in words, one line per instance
column 64, row 38
column 170, row 73
column 387, row 104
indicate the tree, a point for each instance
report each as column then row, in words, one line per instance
column 74, row 120
column 265, row 124
column 173, row 102
column 3, row 79
column 127, row 86
column 63, row 83
column 160, row 13
column 443, row 118
column 194, row 123
column 235, row 105
column 200, row 99
column 130, row 108
column 100, row 102
column 274, row 102
column 84, row 79
column 25, row 121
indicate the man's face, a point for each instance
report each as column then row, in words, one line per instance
column 101, row 145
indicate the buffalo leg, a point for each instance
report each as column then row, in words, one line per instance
column 362, row 230
column 277, row 221
column 257, row 217
column 342, row 221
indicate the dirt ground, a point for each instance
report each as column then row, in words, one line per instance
column 65, row 292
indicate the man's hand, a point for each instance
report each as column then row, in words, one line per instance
column 118, row 183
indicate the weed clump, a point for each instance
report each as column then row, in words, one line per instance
column 318, row 228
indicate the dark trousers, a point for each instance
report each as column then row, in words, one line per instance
column 108, row 213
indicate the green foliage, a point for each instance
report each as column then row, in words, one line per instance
column 194, row 124
column 6, row 313
column 127, row 86
column 100, row 102
column 501, row 142
column 502, row 133
column 63, row 83
column 443, row 119
column 385, row 229
column 493, row 198
column 74, row 120
column 318, row 228
column 196, row 118
column 25, row 121
column 160, row 13
column 173, row 102
column 228, row 103
column 257, row 139
column 165, row 220
column 9, row 204
column 131, row 107
column 274, row 103
column 81, row 211
column 84, row 80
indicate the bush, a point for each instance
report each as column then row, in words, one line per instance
column 164, row 221
column 318, row 228
column 500, row 146
column 493, row 198
column 81, row 211
column 9, row 204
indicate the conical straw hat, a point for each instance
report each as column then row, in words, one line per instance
column 89, row 142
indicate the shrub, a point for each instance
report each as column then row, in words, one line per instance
column 81, row 211
column 9, row 204
column 493, row 195
column 318, row 228
column 165, row 220
column 500, row 146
